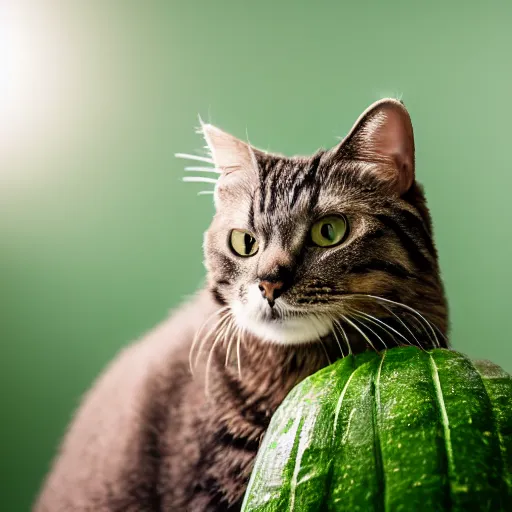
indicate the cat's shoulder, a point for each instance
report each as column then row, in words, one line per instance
column 104, row 438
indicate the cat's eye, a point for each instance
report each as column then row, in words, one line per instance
column 243, row 243
column 329, row 231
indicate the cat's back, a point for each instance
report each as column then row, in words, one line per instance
column 110, row 436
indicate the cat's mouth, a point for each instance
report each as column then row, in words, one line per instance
column 272, row 315
column 277, row 328
column 279, row 324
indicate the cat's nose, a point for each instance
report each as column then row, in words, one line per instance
column 270, row 290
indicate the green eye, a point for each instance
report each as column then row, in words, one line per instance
column 329, row 231
column 243, row 243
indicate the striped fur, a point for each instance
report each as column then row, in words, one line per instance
column 390, row 245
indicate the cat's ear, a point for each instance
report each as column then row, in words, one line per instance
column 229, row 154
column 383, row 139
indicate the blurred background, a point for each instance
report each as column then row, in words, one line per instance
column 99, row 237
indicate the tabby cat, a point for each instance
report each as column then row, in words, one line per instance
column 308, row 259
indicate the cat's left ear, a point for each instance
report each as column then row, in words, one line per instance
column 383, row 139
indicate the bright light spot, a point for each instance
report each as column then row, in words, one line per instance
column 40, row 90
column 28, row 80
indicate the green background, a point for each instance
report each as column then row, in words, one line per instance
column 99, row 237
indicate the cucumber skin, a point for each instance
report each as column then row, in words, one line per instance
column 404, row 429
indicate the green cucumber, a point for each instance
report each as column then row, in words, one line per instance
column 401, row 430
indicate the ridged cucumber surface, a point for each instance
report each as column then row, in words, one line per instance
column 401, row 430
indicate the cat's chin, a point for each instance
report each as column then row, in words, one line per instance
column 285, row 331
column 273, row 325
column 292, row 331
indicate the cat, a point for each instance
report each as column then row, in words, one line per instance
column 308, row 259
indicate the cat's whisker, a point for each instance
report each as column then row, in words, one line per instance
column 420, row 326
column 345, row 337
column 206, row 192
column 409, row 308
column 202, row 169
column 439, row 331
column 325, row 351
column 198, row 334
column 404, row 324
column 360, row 331
column 228, row 351
column 220, row 326
column 320, row 339
column 220, row 335
column 221, row 313
column 383, row 326
column 232, row 341
column 187, row 156
column 198, row 179
column 376, row 321
column 370, row 329
column 336, row 337
column 423, row 324
column 238, row 361
column 399, row 304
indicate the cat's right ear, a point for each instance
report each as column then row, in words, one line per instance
column 234, row 159
column 229, row 154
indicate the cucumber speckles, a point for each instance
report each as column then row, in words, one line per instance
column 401, row 430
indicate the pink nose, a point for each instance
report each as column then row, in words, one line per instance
column 270, row 290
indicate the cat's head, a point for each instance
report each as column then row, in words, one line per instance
column 301, row 245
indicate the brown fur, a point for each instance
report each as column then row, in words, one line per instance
column 146, row 437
